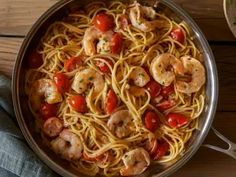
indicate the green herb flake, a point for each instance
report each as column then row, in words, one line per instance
column 141, row 75
column 91, row 78
column 81, row 80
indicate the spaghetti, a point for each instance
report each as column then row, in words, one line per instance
column 116, row 87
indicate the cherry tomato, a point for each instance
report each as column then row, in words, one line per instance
column 35, row 60
column 161, row 150
column 78, row 102
column 151, row 121
column 103, row 66
column 116, row 43
column 62, row 82
column 154, row 88
column 111, row 102
column 48, row 110
column 176, row 120
column 103, row 22
column 167, row 104
column 178, row 35
column 167, row 91
column 72, row 63
column 124, row 21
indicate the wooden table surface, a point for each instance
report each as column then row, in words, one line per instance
column 17, row 16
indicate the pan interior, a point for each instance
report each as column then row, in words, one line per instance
column 25, row 117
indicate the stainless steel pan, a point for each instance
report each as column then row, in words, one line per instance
column 25, row 118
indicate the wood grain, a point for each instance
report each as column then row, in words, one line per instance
column 17, row 16
column 8, row 50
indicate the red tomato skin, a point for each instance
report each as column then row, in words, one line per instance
column 62, row 82
column 161, row 150
column 72, row 63
column 179, row 35
column 111, row 102
column 35, row 60
column 116, row 43
column 103, row 66
column 103, row 22
column 167, row 104
column 48, row 110
column 154, row 88
column 167, row 91
column 78, row 102
column 176, row 120
column 151, row 121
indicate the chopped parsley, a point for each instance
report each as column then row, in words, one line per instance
column 81, row 80
column 90, row 78
column 141, row 74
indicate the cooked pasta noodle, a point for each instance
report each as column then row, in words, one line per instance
column 104, row 148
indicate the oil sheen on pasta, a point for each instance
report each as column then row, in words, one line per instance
column 113, row 98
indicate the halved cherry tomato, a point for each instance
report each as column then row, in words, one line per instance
column 72, row 63
column 103, row 66
column 48, row 110
column 151, row 121
column 178, row 35
column 167, row 104
column 116, row 43
column 103, row 22
column 154, row 88
column 78, row 102
column 111, row 102
column 176, row 120
column 62, row 82
column 161, row 150
column 35, row 60
column 167, row 91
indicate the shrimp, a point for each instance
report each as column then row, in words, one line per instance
column 93, row 35
column 86, row 76
column 44, row 88
column 194, row 68
column 165, row 67
column 135, row 161
column 52, row 127
column 139, row 16
column 139, row 76
column 119, row 123
column 68, row 145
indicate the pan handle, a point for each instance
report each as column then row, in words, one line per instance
column 231, row 151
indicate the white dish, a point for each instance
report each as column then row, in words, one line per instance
column 230, row 14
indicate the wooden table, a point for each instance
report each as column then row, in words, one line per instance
column 17, row 16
